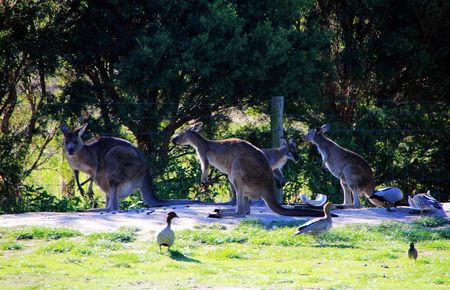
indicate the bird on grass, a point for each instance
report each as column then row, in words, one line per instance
column 412, row 252
column 423, row 202
column 318, row 225
column 166, row 237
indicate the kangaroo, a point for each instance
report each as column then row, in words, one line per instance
column 351, row 169
column 245, row 165
column 114, row 164
column 277, row 157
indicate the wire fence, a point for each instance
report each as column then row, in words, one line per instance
column 405, row 174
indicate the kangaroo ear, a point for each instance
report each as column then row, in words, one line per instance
column 291, row 141
column 325, row 128
column 284, row 143
column 196, row 127
column 80, row 130
column 65, row 129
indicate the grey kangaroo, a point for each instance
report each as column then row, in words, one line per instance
column 114, row 164
column 247, row 169
column 351, row 169
column 277, row 157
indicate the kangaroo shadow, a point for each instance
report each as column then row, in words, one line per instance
column 179, row 256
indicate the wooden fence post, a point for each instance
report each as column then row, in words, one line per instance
column 276, row 126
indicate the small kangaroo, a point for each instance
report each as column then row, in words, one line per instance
column 351, row 169
column 278, row 157
column 114, row 164
column 247, row 168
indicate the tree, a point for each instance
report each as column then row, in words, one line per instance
column 388, row 82
column 155, row 67
column 29, row 33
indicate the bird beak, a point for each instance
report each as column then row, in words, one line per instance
column 296, row 233
column 176, row 216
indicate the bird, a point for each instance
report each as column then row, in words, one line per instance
column 390, row 196
column 166, row 237
column 423, row 201
column 318, row 225
column 412, row 252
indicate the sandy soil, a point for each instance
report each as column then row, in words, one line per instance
column 152, row 219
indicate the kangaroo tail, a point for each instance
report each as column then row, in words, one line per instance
column 273, row 205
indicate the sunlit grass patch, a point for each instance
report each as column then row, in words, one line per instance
column 124, row 260
column 251, row 254
column 436, row 245
column 44, row 233
column 57, row 247
column 103, row 244
column 123, row 235
column 404, row 232
column 431, row 221
column 228, row 252
column 12, row 246
column 212, row 236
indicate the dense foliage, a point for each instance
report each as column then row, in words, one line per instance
column 376, row 70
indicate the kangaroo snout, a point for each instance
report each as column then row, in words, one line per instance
column 70, row 148
column 175, row 141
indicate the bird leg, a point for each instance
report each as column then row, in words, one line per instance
column 388, row 206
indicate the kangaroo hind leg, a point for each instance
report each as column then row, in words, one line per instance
column 113, row 198
column 348, row 197
column 356, row 201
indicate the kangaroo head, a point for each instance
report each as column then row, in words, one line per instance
column 72, row 139
column 184, row 137
column 315, row 132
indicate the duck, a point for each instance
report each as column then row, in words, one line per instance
column 412, row 252
column 387, row 196
column 423, row 202
column 166, row 237
column 318, row 225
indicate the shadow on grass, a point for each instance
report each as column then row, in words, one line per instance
column 341, row 246
column 179, row 256
column 271, row 225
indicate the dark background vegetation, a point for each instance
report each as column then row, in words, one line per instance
column 377, row 70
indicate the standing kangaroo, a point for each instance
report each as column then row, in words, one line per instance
column 114, row 164
column 277, row 157
column 351, row 169
column 247, row 168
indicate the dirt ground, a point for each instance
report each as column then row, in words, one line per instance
column 152, row 219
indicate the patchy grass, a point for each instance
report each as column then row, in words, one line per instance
column 249, row 255
column 123, row 235
column 44, row 233
column 431, row 221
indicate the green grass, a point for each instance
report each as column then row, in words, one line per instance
column 43, row 233
column 249, row 255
